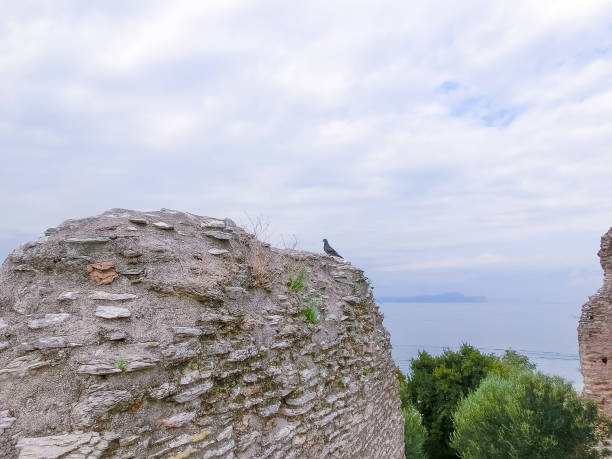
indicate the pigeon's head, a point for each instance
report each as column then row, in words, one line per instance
column 324, row 241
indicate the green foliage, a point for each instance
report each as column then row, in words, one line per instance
column 122, row 364
column 512, row 362
column 414, row 433
column 436, row 385
column 312, row 311
column 527, row 415
column 297, row 283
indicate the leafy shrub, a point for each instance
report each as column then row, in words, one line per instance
column 435, row 386
column 414, row 433
column 527, row 415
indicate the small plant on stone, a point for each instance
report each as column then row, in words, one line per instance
column 312, row 311
column 367, row 371
column 122, row 364
column 297, row 283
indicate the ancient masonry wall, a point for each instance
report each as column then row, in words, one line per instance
column 166, row 334
column 595, row 335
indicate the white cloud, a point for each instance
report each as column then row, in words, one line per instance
column 327, row 117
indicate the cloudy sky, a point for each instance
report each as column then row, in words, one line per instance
column 439, row 147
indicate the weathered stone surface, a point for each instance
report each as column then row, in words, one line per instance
column 106, row 296
column 98, row 368
column 213, row 224
column 112, row 312
column 181, row 351
column 163, row 391
column 49, row 342
column 193, row 392
column 269, row 410
column 48, row 320
column 73, row 446
column 163, row 226
column 178, row 420
column 351, row 299
column 21, row 366
column 102, row 273
column 219, row 235
column 214, row 361
column 87, row 240
column 96, row 406
column 127, row 363
column 235, row 293
column 132, row 272
column 301, row 400
column 595, row 335
column 181, row 332
column 6, row 420
column 114, row 335
column 66, row 297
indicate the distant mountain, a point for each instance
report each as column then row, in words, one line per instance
column 449, row 297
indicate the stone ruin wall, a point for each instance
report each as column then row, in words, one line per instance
column 595, row 335
column 169, row 335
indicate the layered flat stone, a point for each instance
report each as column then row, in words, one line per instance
column 112, row 312
column 68, row 296
column 214, row 224
column 73, row 445
column 193, row 392
column 182, row 351
column 49, row 342
column 178, row 420
column 6, row 421
column 106, row 296
column 219, row 235
column 182, row 332
column 88, row 240
column 97, row 404
column 132, row 272
column 48, row 320
column 163, row 226
column 351, row 299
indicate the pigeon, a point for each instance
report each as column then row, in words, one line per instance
column 329, row 250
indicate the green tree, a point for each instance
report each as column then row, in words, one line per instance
column 414, row 431
column 527, row 415
column 435, row 386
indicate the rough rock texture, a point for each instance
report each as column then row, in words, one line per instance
column 167, row 334
column 595, row 335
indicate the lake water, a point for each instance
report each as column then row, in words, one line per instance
column 545, row 332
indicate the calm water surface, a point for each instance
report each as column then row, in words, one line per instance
column 545, row 332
